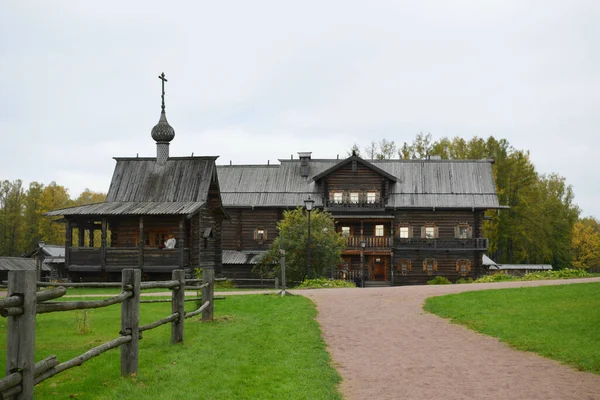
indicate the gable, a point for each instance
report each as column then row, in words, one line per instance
column 355, row 163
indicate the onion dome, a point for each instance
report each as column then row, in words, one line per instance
column 163, row 132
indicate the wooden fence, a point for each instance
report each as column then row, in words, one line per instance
column 24, row 302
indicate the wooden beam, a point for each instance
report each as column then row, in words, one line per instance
column 81, row 234
column 68, row 241
column 103, row 244
column 20, row 335
column 130, row 319
column 181, row 242
column 141, row 244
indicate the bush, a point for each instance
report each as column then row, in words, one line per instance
column 464, row 280
column 325, row 283
column 501, row 277
column 226, row 284
column 439, row 280
column 558, row 274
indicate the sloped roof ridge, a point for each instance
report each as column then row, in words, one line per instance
column 209, row 158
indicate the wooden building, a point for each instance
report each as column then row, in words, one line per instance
column 149, row 199
column 405, row 221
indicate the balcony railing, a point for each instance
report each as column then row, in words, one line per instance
column 353, row 242
column 443, row 244
column 124, row 257
column 354, row 206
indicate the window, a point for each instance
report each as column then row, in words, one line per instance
column 429, row 231
column 463, row 266
column 354, row 197
column 346, row 231
column 405, row 232
column 260, row 235
column 463, row 231
column 371, row 197
column 430, row 266
column 404, row 265
column 338, row 197
column 379, row 230
column 154, row 238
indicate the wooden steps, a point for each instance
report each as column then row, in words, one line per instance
column 369, row 284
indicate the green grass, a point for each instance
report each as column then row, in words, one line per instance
column 259, row 346
column 558, row 322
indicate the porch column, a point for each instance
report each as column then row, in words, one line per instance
column 91, row 243
column 68, row 242
column 141, row 244
column 181, row 241
column 81, row 231
column 103, row 244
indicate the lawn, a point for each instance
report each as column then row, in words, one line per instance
column 558, row 322
column 259, row 346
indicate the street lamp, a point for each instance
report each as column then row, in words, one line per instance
column 363, row 244
column 308, row 203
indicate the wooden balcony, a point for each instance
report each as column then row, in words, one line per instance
column 348, row 206
column 479, row 244
column 116, row 258
column 371, row 242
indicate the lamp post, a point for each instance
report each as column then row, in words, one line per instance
column 308, row 203
column 363, row 244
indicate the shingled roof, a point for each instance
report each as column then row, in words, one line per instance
column 418, row 183
column 140, row 186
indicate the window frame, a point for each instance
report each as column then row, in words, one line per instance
column 436, row 231
column 371, row 193
column 434, row 265
column 260, row 234
column 382, row 230
column 467, row 229
column 463, row 266
column 407, row 262
column 409, row 231
column 351, row 195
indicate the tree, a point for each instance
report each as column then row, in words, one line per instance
column 585, row 245
column 11, row 218
column 326, row 245
column 33, row 215
column 53, row 197
column 354, row 150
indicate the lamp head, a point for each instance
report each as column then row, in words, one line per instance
column 309, row 203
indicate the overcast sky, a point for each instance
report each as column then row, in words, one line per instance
column 253, row 81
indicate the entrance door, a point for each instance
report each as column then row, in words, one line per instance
column 378, row 268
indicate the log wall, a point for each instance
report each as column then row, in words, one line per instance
column 239, row 233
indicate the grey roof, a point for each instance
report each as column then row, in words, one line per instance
column 53, row 250
column 16, row 264
column 140, row 186
column 419, row 183
column 131, row 208
column 241, row 257
column 488, row 261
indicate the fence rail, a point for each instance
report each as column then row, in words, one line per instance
column 23, row 303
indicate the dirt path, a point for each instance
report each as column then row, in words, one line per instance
column 386, row 347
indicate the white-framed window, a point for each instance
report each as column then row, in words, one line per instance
column 371, row 197
column 379, row 230
column 405, row 232
column 346, row 231
column 429, row 231
column 260, row 234
column 338, row 197
column 463, row 231
column 354, row 197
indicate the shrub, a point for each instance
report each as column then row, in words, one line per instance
column 226, row 284
column 439, row 280
column 464, row 280
column 325, row 283
column 501, row 277
column 558, row 274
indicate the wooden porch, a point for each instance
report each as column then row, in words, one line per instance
column 371, row 242
column 120, row 257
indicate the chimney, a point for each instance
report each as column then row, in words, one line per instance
column 41, row 244
column 304, row 162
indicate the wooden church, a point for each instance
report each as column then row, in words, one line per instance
column 150, row 200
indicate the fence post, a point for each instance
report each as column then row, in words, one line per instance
column 20, row 340
column 178, row 306
column 130, row 322
column 208, row 275
column 276, row 283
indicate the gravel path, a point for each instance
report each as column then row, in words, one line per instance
column 386, row 347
